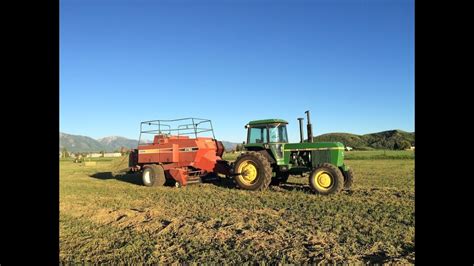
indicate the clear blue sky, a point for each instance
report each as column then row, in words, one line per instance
column 350, row 62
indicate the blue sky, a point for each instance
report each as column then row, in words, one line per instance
column 350, row 62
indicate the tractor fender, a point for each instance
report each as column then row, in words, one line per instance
column 268, row 156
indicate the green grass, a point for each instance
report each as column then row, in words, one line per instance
column 229, row 156
column 379, row 154
column 107, row 218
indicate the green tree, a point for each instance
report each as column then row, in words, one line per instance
column 124, row 150
column 396, row 146
column 404, row 145
column 65, row 153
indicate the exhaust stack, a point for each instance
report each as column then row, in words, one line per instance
column 301, row 129
column 310, row 128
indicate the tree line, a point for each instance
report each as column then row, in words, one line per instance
column 66, row 154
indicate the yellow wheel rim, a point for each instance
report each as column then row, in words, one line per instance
column 323, row 180
column 248, row 172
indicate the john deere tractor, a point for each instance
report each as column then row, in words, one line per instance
column 270, row 159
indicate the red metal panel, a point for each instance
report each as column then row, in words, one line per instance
column 179, row 175
column 177, row 153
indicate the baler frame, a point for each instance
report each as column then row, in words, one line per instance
column 190, row 126
column 180, row 151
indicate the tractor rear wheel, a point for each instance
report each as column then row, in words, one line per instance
column 348, row 179
column 252, row 171
column 326, row 179
column 153, row 175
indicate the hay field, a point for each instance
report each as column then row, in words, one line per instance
column 111, row 218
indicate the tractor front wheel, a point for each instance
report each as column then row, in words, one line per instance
column 153, row 175
column 326, row 179
column 252, row 171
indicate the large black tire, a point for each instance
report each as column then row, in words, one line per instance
column 348, row 179
column 153, row 175
column 256, row 171
column 280, row 178
column 326, row 179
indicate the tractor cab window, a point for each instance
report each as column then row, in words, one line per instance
column 278, row 133
column 258, row 135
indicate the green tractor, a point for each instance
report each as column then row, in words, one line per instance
column 270, row 159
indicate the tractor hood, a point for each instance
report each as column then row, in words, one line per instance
column 315, row 146
column 321, row 152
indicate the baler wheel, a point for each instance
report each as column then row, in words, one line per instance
column 153, row 175
column 326, row 179
column 253, row 171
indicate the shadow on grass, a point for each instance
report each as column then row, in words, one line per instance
column 295, row 187
column 230, row 183
column 129, row 178
column 218, row 181
column 381, row 257
column 210, row 179
column 376, row 258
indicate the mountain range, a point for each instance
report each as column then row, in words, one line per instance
column 77, row 143
column 390, row 139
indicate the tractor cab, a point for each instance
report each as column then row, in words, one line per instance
column 261, row 132
column 269, row 135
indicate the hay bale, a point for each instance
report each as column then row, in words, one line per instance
column 90, row 163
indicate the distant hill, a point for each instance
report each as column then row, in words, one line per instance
column 116, row 142
column 229, row 145
column 77, row 143
column 391, row 139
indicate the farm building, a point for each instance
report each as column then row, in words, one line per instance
column 112, row 154
column 108, row 154
column 94, row 155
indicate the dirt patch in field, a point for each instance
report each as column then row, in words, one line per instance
column 136, row 219
column 133, row 218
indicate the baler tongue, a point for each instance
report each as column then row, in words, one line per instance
column 124, row 170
